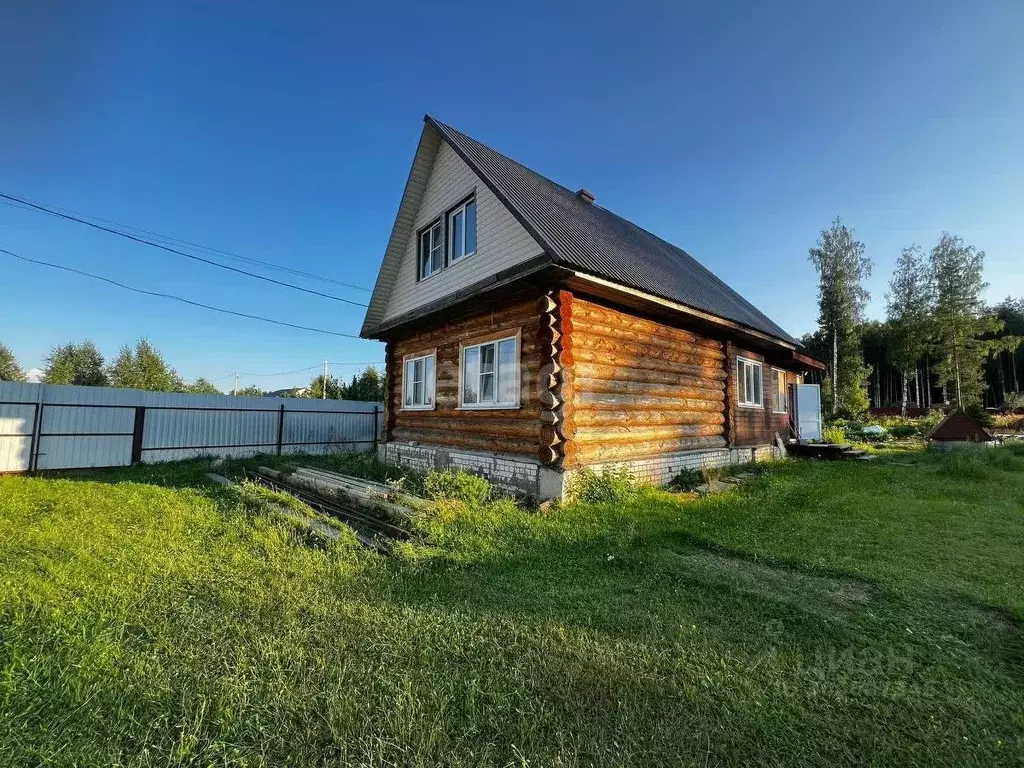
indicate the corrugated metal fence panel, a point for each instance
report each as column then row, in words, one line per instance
column 93, row 426
column 178, row 434
column 311, row 432
column 16, row 422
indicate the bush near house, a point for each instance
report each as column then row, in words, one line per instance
column 838, row 613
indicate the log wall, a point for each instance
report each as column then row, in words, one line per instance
column 640, row 387
column 505, row 430
column 756, row 426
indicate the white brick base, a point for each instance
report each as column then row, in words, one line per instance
column 529, row 477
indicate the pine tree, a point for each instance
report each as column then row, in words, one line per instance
column 908, row 310
column 79, row 364
column 9, row 368
column 842, row 268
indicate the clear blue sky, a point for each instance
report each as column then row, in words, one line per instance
column 285, row 132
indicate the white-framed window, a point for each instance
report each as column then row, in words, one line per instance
column 749, row 391
column 780, row 393
column 418, row 382
column 490, row 374
column 431, row 251
column 462, row 231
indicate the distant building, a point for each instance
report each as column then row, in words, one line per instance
column 290, row 392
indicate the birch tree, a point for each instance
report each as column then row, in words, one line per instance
column 960, row 319
column 79, row 364
column 9, row 368
column 908, row 307
column 842, row 268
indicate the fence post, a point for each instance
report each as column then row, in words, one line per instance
column 376, row 431
column 137, row 433
column 33, row 449
column 280, row 430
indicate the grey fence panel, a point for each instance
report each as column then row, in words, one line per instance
column 16, row 423
column 46, row 426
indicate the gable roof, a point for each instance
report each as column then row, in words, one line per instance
column 574, row 234
column 592, row 239
column 957, row 426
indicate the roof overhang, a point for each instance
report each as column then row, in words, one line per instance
column 638, row 299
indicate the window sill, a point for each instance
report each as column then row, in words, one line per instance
column 750, row 406
column 417, row 408
column 488, row 407
column 781, row 413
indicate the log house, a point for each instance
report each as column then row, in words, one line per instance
column 530, row 332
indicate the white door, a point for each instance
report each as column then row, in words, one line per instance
column 808, row 412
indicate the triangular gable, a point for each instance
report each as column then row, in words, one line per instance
column 403, row 228
column 440, row 178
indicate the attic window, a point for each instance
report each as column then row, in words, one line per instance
column 462, row 231
column 431, row 251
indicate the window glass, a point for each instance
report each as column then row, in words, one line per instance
column 418, row 382
column 470, row 227
column 457, row 235
column 436, row 248
column 507, row 371
column 487, row 373
column 471, row 375
column 428, row 376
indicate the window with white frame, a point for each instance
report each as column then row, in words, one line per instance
column 490, row 374
column 748, row 383
column 431, row 251
column 781, row 394
column 418, row 382
column 462, row 231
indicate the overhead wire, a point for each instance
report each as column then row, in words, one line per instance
column 154, row 244
column 25, row 204
column 175, row 297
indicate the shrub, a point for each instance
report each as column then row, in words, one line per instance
column 977, row 412
column 903, row 431
column 457, row 485
column 686, row 480
column 834, row 435
column 1014, row 402
column 613, row 485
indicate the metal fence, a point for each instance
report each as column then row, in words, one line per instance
column 47, row 426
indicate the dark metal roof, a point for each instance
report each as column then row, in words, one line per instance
column 584, row 236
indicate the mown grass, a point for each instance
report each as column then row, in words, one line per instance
column 822, row 613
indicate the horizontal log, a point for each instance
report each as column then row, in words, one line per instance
column 468, row 423
column 702, row 391
column 640, row 417
column 468, row 442
column 595, row 453
column 612, row 351
column 588, row 315
column 608, row 401
column 653, row 434
column 675, row 379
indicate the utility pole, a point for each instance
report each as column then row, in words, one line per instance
column 323, row 390
column 235, row 390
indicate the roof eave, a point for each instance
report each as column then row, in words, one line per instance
column 676, row 307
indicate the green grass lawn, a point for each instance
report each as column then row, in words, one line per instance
column 821, row 614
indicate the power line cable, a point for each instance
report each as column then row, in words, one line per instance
column 298, row 370
column 176, row 298
column 189, row 243
column 162, row 247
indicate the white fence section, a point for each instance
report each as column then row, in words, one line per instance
column 47, row 426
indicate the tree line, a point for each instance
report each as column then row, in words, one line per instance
column 939, row 343
column 141, row 366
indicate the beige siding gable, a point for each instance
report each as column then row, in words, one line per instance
column 502, row 242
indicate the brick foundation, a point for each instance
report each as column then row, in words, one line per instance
column 520, row 475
